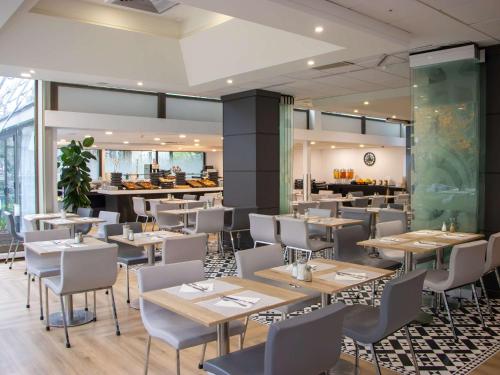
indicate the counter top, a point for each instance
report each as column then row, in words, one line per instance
column 160, row 191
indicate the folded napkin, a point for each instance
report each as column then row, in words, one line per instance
column 350, row 276
column 427, row 243
column 192, row 288
column 240, row 302
column 389, row 239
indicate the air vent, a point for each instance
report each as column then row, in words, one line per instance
column 151, row 6
column 334, row 65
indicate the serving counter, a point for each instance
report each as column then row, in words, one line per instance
column 344, row 189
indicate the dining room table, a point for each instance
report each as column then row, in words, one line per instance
column 71, row 221
column 217, row 302
column 329, row 277
column 74, row 317
column 185, row 212
column 35, row 219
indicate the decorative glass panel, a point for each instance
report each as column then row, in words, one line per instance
column 286, row 153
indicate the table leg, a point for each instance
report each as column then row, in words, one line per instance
column 73, row 317
column 326, row 299
column 150, row 250
column 186, row 221
column 223, row 339
column 422, row 318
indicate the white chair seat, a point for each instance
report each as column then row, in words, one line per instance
column 317, row 245
column 53, row 283
column 436, row 280
column 180, row 332
column 189, row 230
column 171, row 227
column 45, row 271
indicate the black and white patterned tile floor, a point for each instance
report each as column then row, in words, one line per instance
column 435, row 347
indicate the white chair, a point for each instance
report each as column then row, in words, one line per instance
column 189, row 197
column 325, row 192
column 167, row 326
column 492, row 263
column 152, row 207
column 190, row 205
column 318, row 231
column 302, row 207
column 83, row 271
column 329, row 205
column 210, row 220
column 184, row 248
column 42, row 266
column 377, row 202
column 17, row 237
column 110, row 217
column 264, row 229
column 139, row 205
column 207, row 198
column 166, row 221
column 402, row 199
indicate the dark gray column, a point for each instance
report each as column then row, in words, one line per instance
column 251, row 150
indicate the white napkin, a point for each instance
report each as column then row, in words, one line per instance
column 185, row 288
column 78, row 245
column 388, row 239
column 346, row 277
column 228, row 303
column 426, row 244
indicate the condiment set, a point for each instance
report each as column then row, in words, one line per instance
column 78, row 237
column 301, row 271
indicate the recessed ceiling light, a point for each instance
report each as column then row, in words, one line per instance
column 318, row 29
column 153, row 150
column 310, row 62
column 95, row 146
column 197, row 145
column 361, row 146
column 163, row 143
column 156, row 139
column 32, row 71
column 393, row 116
column 366, row 102
column 62, row 140
column 179, row 148
column 25, row 75
column 213, row 150
column 196, row 141
column 461, row 108
column 140, row 83
column 416, row 107
column 222, row 138
column 125, row 142
column 313, row 143
column 415, row 85
column 436, row 111
column 182, row 135
column 332, row 146
column 229, row 81
column 108, row 133
column 87, row 136
column 356, row 111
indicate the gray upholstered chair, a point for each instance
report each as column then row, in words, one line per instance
column 400, row 304
column 210, row 220
column 240, row 222
column 252, row 260
column 318, row 231
column 467, row 263
column 264, row 229
column 128, row 255
column 190, row 197
column 192, row 217
column 164, row 220
column 378, row 201
column 329, row 205
column 359, row 213
column 295, row 237
column 175, row 330
column 307, row 344
column 16, row 237
column 83, row 271
column 139, row 206
column 207, row 198
column 326, row 193
column 84, row 212
column 391, row 214
column 110, row 217
column 184, row 248
column 302, row 207
column 153, row 203
column 360, row 202
column 42, row 266
column 492, row 263
column 396, row 206
column 402, row 199
column 357, row 193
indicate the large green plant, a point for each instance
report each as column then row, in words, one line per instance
column 75, row 173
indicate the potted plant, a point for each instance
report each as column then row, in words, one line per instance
column 75, row 174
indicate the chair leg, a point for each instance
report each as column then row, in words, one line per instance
column 95, row 308
column 41, row 297
column 476, row 300
column 242, row 336
column 148, row 349
column 412, row 351
column 136, row 218
column 47, row 315
column 86, row 302
column 375, row 359
column 486, row 295
column 219, row 244
column 10, row 249
column 498, row 276
column 202, row 359
column 374, row 291
column 28, row 294
column 232, row 242
column 128, row 284
column 449, row 316
column 178, row 361
column 356, row 355
column 63, row 312
column 14, row 256
column 115, row 316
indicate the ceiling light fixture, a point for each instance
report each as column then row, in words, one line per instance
column 163, row 143
column 125, row 142
column 393, row 116
column 361, row 146
column 87, row 136
column 25, row 75
column 366, row 102
column 229, row 81
column 416, row 107
column 310, row 62
column 108, row 133
column 356, row 111
column 140, row 83
column 182, row 135
column 213, row 150
column 318, row 29
column 415, row 86
column 332, row 146
column 196, row 141
column 156, row 139
column 32, row 71
column 197, row 145
column 313, row 143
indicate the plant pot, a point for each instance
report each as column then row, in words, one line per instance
column 116, row 179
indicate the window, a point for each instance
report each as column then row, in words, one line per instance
column 189, row 162
column 128, row 162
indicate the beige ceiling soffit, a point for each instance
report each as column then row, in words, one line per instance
column 380, row 94
column 9, row 10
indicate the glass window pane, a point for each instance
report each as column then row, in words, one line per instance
column 189, row 162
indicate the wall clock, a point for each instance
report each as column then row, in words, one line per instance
column 369, row 158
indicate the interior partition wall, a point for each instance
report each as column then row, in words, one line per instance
column 286, row 152
column 445, row 151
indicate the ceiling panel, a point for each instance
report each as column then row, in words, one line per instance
column 374, row 61
column 349, row 83
column 401, row 70
column 491, row 27
column 371, row 75
column 474, row 11
column 388, row 10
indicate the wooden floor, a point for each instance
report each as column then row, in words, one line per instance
column 26, row 348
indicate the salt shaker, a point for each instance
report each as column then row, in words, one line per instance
column 126, row 228
column 294, row 269
column 78, row 239
column 308, row 273
column 301, row 270
column 63, row 214
column 130, row 235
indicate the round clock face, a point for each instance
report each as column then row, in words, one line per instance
column 369, row 158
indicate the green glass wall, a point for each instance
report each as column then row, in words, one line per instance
column 445, row 145
column 286, row 153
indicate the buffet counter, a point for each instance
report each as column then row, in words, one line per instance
column 344, row 189
column 138, row 192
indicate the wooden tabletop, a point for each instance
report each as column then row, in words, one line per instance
column 191, row 308
column 421, row 241
column 186, row 211
column 326, row 268
column 46, row 216
column 146, row 238
column 176, row 201
column 376, row 210
column 57, row 246
column 74, row 220
column 331, row 222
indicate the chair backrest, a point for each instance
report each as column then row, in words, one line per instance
column 396, row 206
column 139, row 205
column 263, row 228
column 184, row 248
column 493, row 253
column 10, row 224
column 294, row 233
column 390, row 214
column 84, row 212
column 400, row 303
column 320, row 212
column 467, row 262
column 357, row 193
column 361, row 202
column 240, row 219
column 315, row 197
column 35, row 260
column 325, row 192
column 346, row 239
column 207, row 198
column 117, row 229
column 153, row 206
column 88, row 269
column 378, row 201
column 210, row 220
column 329, row 205
column 359, row 213
column 110, row 217
column 303, row 206
column 252, row 260
column 164, row 207
column 195, row 204
column 315, row 338
column 189, row 197
column 389, row 228
column 402, row 199
column 167, row 275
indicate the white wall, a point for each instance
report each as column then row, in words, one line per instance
column 390, row 163
column 215, row 159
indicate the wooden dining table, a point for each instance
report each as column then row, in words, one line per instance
column 74, row 317
column 186, row 211
column 329, row 276
column 40, row 217
column 217, row 307
column 71, row 221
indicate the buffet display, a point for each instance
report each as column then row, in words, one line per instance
column 346, row 176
